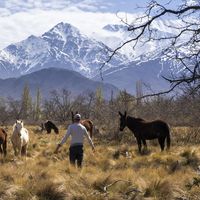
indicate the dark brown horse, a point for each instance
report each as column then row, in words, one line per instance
column 144, row 130
column 48, row 126
column 87, row 123
column 3, row 141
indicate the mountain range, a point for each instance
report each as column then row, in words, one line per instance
column 51, row 79
column 65, row 47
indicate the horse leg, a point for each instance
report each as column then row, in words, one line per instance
column 15, row 151
column 1, row 156
column 20, row 149
column 161, row 141
column 139, row 145
column 1, row 151
column 14, row 148
column 145, row 144
column 91, row 132
column 24, row 150
column 5, row 148
column 48, row 130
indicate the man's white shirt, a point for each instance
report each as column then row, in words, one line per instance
column 77, row 132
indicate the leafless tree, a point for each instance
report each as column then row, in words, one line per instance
column 4, row 116
column 58, row 107
column 182, row 47
column 15, row 109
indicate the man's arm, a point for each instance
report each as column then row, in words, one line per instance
column 89, row 139
column 64, row 139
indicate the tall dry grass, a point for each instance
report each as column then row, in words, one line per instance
column 115, row 171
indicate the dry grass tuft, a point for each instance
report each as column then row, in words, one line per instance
column 190, row 157
column 51, row 191
column 159, row 189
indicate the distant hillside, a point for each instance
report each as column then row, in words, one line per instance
column 149, row 73
column 53, row 79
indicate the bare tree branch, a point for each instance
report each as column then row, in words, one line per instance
column 182, row 47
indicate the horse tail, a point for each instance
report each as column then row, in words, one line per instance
column 168, row 138
column 91, row 127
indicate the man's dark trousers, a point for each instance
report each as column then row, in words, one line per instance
column 76, row 153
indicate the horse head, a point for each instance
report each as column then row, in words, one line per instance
column 122, row 121
column 73, row 115
column 19, row 125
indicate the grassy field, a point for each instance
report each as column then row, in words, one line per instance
column 115, row 171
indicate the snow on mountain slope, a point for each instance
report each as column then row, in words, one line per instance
column 63, row 46
column 116, row 34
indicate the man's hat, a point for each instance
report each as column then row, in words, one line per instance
column 77, row 116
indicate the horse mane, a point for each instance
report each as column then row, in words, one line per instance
column 136, row 119
column 14, row 125
column 140, row 119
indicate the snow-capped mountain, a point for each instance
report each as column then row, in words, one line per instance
column 117, row 34
column 116, row 27
column 63, row 46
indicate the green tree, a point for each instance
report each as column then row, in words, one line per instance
column 99, row 95
column 37, row 113
column 26, row 103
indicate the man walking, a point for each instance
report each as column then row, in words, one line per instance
column 77, row 132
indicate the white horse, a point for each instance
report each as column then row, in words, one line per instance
column 20, row 138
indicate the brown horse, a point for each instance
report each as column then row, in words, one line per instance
column 144, row 130
column 87, row 123
column 3, row 141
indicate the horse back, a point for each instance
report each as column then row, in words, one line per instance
column 160, row 124
column 87, row 123
column 151, row 129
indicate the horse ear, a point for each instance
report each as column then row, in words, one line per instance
column 120, row 113
column 72, row 116
column 125, row 113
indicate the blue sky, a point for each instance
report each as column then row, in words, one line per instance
column 22, row 18
column 103, row 5
column 131, row 5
